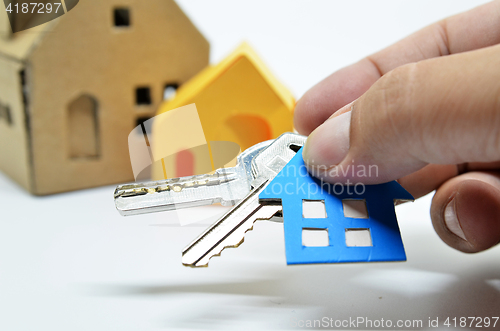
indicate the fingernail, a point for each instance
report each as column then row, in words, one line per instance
column 451, row 220
column 328, row 145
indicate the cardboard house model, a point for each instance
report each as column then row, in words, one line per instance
column 71, row 90
column 327, row 223
column 238, row 100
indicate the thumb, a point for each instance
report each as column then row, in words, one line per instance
column 442, row 111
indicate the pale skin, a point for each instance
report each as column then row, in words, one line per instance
column 426, row 112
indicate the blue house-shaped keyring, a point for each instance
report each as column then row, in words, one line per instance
column 358, row 223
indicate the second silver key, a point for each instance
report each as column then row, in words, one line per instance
column 230, row 229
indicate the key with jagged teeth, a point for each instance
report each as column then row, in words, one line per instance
column 226, row 186
column 230, row 229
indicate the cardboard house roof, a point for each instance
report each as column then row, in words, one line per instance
column 21, row 45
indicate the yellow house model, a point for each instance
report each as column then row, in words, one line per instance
column 238, row 100
column 72, row 90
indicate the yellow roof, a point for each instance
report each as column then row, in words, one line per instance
column 212, row 72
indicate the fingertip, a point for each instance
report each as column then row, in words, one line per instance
column 466, row 212
column 328, row 145
column 301, row 121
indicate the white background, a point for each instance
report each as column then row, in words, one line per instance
column 71, row 262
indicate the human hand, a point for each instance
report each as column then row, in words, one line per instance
column 426, row 112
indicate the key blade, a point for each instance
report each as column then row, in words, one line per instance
column 229, row 230
column 225, row 186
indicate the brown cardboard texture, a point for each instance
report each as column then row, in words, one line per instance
column 72, row 89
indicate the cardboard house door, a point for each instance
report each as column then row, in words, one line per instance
column 83, row 127
column 184, row 163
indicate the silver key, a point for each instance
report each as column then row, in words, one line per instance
column 230, row 229
column 226, row 186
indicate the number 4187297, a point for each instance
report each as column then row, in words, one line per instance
column 478, row 322
column 33, row 7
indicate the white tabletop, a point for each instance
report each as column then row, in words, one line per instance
column 71, row 262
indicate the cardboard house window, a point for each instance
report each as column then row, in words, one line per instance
column 142, row 96
column 83, row 128
column 169, row 91
column 146, row 126
column 121, row 17
column 355, row 208
column 184, row 163
column 5, row 114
